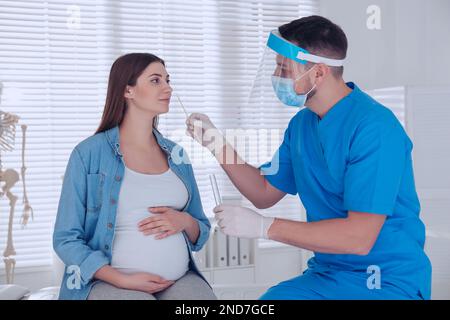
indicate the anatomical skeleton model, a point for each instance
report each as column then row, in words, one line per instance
column 10, row 177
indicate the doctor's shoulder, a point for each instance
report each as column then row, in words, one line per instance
column 374, row 111
column 379, row 122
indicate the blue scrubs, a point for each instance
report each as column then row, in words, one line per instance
column 356, row 158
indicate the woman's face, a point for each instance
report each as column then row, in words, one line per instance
column 152, row 91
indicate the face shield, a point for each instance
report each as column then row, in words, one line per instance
column 282, row 65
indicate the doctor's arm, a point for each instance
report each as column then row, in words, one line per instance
column 355, row 234
column 249, row 180
column 246, row 178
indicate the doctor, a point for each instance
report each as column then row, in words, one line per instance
column 349, row 160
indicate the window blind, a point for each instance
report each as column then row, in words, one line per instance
column 55, row 58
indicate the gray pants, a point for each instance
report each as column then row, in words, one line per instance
column 188, row 287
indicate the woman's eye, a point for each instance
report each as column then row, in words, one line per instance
column 158, row 80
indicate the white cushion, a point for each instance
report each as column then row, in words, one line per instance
column 12, row 292
column 49, row 293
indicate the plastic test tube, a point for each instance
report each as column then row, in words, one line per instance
column 215, row 189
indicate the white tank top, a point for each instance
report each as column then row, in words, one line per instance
column 133, row 251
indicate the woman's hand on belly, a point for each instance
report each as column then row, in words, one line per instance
column 165, row 222
column 144, row 281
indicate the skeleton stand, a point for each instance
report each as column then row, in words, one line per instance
column 10, row 177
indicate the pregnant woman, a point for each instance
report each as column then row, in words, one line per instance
column 130, row 214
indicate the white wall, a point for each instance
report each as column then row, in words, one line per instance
column 428, row 116
column 411, row 48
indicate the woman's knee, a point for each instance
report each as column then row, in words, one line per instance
column 189, row 287
column 105, row 291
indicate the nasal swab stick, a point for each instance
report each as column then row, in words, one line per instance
column 182, row 106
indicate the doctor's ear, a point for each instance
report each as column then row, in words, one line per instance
column 322, row 71
column 128, row 92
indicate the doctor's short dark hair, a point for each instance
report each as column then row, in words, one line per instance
column 319, row 36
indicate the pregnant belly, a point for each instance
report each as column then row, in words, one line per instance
column 134, row 252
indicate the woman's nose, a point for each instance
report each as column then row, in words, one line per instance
column 168, row 88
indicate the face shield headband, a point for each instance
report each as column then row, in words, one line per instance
column 289, row 50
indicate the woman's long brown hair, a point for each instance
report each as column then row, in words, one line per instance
column 124, row 71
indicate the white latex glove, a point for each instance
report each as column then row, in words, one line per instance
column 242, row 222
column 200, row 127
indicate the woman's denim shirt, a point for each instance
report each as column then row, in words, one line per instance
column 86, row 218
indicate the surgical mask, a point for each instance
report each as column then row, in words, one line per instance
column 284, row 89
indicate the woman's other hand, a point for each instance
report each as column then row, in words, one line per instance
column 144, row 281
